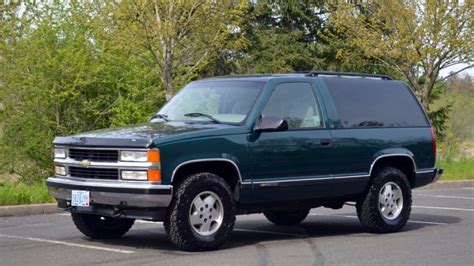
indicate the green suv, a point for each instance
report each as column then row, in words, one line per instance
column 273, row 144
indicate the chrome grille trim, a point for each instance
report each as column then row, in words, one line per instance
column 94, row 155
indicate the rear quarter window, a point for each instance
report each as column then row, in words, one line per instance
column 375, row 103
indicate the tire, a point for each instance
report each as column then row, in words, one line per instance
column 192, row 228
column 98, row 227
column 287, row 217
column 386, row 217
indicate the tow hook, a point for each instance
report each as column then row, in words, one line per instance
column 118, row 211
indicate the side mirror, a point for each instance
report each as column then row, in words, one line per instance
column 271, row 124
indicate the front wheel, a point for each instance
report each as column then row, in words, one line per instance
column 387, row 205
column 99, row 227
column 201, row 214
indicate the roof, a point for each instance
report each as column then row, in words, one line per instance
column 267, row 77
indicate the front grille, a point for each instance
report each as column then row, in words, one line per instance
column 94, row 155
column 94, row 173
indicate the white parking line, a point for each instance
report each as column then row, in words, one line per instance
column 444, row 197
column 443, row 208
column 355, row 217
column 123, row 251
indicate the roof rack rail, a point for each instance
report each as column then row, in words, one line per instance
column 346, row 74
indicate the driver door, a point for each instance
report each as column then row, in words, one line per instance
column 292, row 164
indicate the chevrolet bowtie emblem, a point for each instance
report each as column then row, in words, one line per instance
column 85, row 163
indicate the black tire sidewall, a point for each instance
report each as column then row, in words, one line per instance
column 406, row 203
column 181, row 205
column 227, row 206
column 368, row 207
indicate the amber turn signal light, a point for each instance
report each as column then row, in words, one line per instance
column 153, row 156
column 154, row 175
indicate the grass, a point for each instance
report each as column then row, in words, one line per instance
column 14, row 193
column 457, row 169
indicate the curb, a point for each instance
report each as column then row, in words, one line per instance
column 450, row 184
column 32, row 209
column 48, row 208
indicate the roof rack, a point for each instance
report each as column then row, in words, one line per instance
column 346, row 74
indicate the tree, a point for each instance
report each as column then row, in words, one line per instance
column 416, row 39
column 175, row 37
column 280, row 37
column 60, row 75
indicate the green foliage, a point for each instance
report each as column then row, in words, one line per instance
column 461, row 117
column 279, row 53
column 457, row 95
column 459, row 169
column 175, row 37
column 278, row 36
column 60, row 76
column 439, row 116
column 14, row 193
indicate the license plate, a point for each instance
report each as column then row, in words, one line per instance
column 80, row 198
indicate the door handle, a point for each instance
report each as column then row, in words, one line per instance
column 325, row 142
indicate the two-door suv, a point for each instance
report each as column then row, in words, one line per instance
column 272, row 144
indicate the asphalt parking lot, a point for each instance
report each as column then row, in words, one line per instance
column 440, row 232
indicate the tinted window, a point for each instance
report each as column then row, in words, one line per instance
column 296, row 103
column 375, row 103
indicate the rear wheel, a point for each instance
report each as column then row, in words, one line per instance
column 287, row 217
column 99, row 227
column 387, row 205
column 201, row 214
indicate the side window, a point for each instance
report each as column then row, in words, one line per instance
column 375, row 103
column 296, row 103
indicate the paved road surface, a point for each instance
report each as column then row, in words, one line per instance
column 440, row 232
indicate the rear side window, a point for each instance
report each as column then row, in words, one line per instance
column 375, row 103
column 296, row 103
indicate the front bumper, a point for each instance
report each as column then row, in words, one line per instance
column 112, row 197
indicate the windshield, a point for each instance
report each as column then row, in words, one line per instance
column 213, row 101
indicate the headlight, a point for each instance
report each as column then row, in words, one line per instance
column 135, row 175
column 59, row 170
column 59, row 153
column 133, row 156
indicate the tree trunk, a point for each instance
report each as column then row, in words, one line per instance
column 169, row 93
column 168, row 71
column 424, row 99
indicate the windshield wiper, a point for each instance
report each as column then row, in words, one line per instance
column 204, row 115
column 162, row 116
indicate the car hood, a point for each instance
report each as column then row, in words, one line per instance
column 141, row 135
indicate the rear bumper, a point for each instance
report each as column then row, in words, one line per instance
column 437, row 175
column 112, row 198
column 426, row 177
